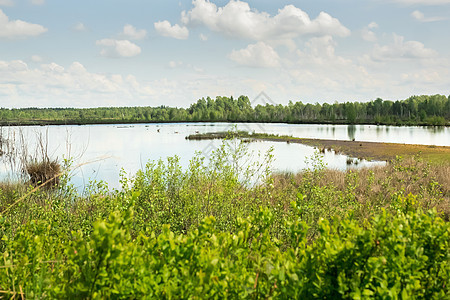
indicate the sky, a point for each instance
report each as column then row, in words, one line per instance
column 101, row 53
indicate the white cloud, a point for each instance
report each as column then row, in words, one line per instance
column 36, row 58
column 79, row 27
column 14, row 66
column 118, row 48
column 320, row 51
column 77, row 68
column 37, row 2
column 176, row 31
column 258, row 55
column 18, row 28
column 368, row 35
column 401, row 49
column 203, row 37
column 236, row 19
column 419, row 16
column 174, row 64
column 6, row 3
column 319, row 72
column 424, row 76
column 72, row 86
column 319, row 75
column 52, row 68
column 181, row 65
column 132, row 33
column 321, row 47
column 372, row 25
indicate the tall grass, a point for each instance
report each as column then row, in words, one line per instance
column 377, row 187
column 35, row 168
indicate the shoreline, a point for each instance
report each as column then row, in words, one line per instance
column 359, row 149
column 128, row 122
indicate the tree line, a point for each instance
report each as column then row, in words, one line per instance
column 415, row 110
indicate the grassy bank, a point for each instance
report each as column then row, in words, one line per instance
column 210, row 231
column 364, row 150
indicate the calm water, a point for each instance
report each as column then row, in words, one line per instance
column 108, row 148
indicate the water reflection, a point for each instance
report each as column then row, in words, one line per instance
column 436, row 129
column 378, row 130
column 351, row 131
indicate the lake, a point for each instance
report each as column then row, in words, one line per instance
column 106, row 149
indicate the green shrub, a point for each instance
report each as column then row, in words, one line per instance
column 394, row 256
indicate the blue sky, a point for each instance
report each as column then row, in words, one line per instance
column 150, row 53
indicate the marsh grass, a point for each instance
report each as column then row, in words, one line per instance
column 46, row 171
column 377, row 187
column 35, row 168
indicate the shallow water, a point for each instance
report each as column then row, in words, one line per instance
column 105, row 149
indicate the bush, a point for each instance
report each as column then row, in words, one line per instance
column 211, row 232
column 404, row 255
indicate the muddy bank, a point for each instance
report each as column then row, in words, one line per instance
column 359, row 149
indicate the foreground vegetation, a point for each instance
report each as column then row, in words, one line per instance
column 230, row 228
column 416, row 110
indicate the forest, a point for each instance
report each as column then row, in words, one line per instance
column 416, row 110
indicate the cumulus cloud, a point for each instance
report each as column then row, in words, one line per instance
column 77, row 68
column 258, row 55
column 319, row 72
column 72, row 86
column 118, row 48
column 176, row 31
column 130, row 32
column 79, row 27
column 321, row 47
column 426, row 76
column 52, row 68
column 182, row 65
column 419, row 16
column 18, row 28
column 401, row 49
column 367, row 34
column 13, row 66
column 372, row 25
column 320, row 52
column 236, row 19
